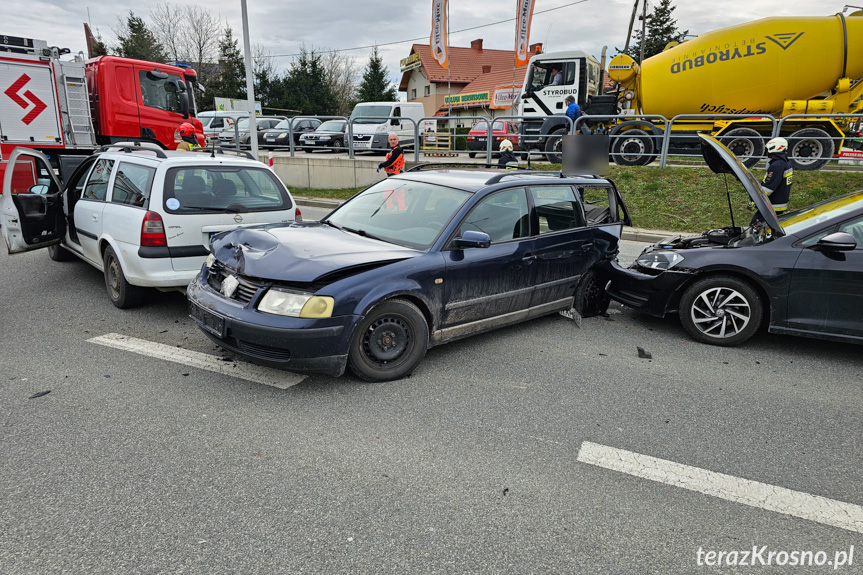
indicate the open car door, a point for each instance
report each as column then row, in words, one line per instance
column 32, row 203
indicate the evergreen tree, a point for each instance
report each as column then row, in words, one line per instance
column 375, row 86
column 230, row 81
column 306, row 88
column 137, row 41
column 661, row 28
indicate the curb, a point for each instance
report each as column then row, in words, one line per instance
column 630, row 234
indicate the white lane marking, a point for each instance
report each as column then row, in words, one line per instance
column 752, row 493
column 240, row 369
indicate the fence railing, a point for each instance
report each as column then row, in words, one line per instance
column 633, row 139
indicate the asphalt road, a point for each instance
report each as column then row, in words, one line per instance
column 475, row 464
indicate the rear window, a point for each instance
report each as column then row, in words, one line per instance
column 219, row 189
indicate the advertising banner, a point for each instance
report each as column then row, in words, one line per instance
column 504, row 97
column 522, row 31
column 438, row 41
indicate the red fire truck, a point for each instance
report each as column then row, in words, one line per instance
column 68, row 108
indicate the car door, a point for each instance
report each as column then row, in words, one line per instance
column 564, row 247
column 825, row 293
column 88, row 210
column 486, row 283
column 32, row 210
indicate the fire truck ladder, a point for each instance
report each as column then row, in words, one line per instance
column 77, row 112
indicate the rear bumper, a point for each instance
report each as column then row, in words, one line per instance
column 652, row 294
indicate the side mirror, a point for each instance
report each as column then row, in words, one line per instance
column 38, row 189
column 395, row 122
column 471, row 239
column 184, row 103
column 839, row 241
column 156, row 74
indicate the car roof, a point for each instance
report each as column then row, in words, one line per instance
column 154, row 156
column 474, row 180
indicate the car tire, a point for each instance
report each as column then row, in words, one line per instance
column 471, row 155
column 554, row 147
column 721, row 310
column 591, row 298
column 59, row 254
column 632, row 147
column 121, row 293
column 746, row 144
column 389, row 342
column 338, row 146
column 810, row 149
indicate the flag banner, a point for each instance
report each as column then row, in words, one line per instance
column 522, row 31
column 504, row 97
column 438, row 40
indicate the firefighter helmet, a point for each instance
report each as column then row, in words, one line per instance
column 505, row 146
column 186, row 129
column 777, row 145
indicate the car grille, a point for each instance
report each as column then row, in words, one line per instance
column 362, row 138
column 255, row 350
column 245, row 291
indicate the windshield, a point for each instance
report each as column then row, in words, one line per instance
column 283, row 125
column 800, row 221
column 332, row 126
column 410, row 214
column 223, row 189
column 365, row 114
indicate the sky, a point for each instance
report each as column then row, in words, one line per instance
column 282, row 26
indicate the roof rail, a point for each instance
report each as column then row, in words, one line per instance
column 498, row 177
column 129, row 147
column 439, row 165
column 214, row 150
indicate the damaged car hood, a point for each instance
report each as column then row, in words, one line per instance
column 301, row 252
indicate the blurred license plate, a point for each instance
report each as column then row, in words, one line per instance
column 208, row 320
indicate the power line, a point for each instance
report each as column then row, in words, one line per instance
column 424, row 37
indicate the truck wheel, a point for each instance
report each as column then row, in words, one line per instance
column 810, row 149
column 122, row 294
column 389, row 342
column 721, row 310
column 746, row 144
column 554, row 147
column 59, row 253
column 632, row 148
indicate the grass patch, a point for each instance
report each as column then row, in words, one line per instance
column 687, row 199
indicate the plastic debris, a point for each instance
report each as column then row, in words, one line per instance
column 572, row 314
column 644, row 354
column 40, row 394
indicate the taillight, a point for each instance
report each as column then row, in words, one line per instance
column 298, row 215
column 153, row 231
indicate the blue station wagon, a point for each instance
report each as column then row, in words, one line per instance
column 414, row 261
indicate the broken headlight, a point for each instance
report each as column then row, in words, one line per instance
column 659, row 260
column 211, row 259
column 283, row 302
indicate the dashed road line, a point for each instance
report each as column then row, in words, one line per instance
column 240, row 369
column 762, row 495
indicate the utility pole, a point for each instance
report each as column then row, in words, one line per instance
column 631, row 23
column 643, row 29
column 250, row 82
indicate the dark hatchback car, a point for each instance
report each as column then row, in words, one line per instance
column 801, row 274
column 280, row 137
column 330, row 135
column 417, row 260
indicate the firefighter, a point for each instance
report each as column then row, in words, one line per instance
column 187, row 135
column 777, row 181
column 507, row 158
column 395, row 160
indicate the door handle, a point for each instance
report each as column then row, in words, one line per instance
column 95, row 217
column 587, row 247
column 528, row 258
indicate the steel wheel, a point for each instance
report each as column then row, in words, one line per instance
column 390, row 342
column 810, row 149
column 746, row 144
column 121, row 292
column 721, row 310
column 632, row 147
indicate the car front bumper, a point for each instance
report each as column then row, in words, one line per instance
column 298, row 344
column 652, row 294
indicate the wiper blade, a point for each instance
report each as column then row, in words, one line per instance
column 365, row 234
column 215, row 209
column 331, row 224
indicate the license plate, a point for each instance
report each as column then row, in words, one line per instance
column 208, row 320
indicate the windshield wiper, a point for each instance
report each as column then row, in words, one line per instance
column 365, row 234
column 215, row 209
column 331, row 224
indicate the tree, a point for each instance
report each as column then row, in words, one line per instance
column 137, row 41
column 189, row 34
column 376, row 86
column 661, row 29
column 341, row 77
column 305, row 87
column 230, row 80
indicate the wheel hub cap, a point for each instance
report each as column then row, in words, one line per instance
column 721, row 312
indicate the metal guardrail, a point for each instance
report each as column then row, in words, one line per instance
column 666, row 140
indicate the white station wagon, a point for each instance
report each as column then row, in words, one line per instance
column 142, row 215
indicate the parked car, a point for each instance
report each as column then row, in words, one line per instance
column 215, row 122
column 417, row 260
column 142, row 215
column 799, row 274
column 330, row 135
column 277, row 137
column 227, row 137
column 500, row 130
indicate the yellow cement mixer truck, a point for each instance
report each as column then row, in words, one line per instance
column 762, row 70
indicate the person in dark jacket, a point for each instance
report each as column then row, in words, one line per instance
column 777, row 181
column 395, row 160
column 507, row 158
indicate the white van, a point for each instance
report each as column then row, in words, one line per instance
column 215, row 122
column 371, row 126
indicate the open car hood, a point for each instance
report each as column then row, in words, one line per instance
column 301, row 252
column 723, row 161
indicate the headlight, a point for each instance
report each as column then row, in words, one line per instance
column 659, row 260
column 325, row 137
column 382, row 128
column 282, row 302
column 282, row 135
column 211, row 259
